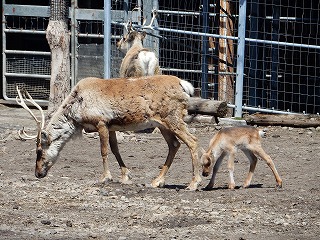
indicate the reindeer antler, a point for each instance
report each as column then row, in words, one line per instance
column 154, row 15
column 21, row 101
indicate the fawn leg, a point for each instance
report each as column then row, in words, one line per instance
column 253, row 162
column 231, row 169
column 214, row 171
column 261, row 153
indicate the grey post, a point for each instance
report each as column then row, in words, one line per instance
column 107, row 38
column 240, row 58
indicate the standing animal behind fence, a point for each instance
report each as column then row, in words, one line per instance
column 138, row 61
column 225, row 144
column 106, row 106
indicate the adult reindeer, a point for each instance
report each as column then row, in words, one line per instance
column 111, row 105
column 138, row 61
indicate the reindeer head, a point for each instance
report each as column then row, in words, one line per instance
column 206, row 161
column 43, row 140
column 131, row 38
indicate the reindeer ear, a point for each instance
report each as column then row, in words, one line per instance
column 45, row 138
column 131, row 36
column 143, row 35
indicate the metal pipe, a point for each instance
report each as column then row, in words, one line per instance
column 26, row 75
column 256, row 109
column 37, row 53
column 240, row 58
column 9, row 30
column 107, row 39
column 195, row 71
column 191, row 13
column 205, row 48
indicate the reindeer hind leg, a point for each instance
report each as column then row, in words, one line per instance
column 253, row 162
column 173, row 145
column 125, row 172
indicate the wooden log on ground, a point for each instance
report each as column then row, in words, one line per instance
column 288, row 120
column 207, row 107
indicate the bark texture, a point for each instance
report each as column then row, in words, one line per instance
column 59, row 41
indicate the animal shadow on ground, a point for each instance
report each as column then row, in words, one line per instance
column 259, row 185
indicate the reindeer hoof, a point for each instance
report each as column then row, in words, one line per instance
column 125, row 181
column 208, row 188
column 105, row 180
column 157, row 183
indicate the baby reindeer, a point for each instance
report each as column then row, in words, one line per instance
column 138, row 61
column 226, row 142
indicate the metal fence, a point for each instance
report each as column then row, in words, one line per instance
column 256, row 55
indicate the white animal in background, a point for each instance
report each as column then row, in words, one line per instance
column 138, row 61
column 225, row 144
column 106, row 106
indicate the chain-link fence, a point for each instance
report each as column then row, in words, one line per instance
column 194, row 40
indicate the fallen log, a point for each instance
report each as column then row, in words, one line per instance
column 207, row 107
column 288, row 120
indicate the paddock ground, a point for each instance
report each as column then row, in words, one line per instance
column 70, row 203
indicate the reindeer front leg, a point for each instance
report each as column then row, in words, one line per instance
column 231, row 157
column 125, row 173
column 104, row 136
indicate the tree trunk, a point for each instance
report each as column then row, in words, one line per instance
column 59, row 41
column 207, row 107
column 294, row 120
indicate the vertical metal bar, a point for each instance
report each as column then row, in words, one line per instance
column 76, row 43
column 73, row 44
column 275, row 55
column 125, row 9
column 107, row 39
column 240, row 58
column 205, row 49
column 3, row 53
column 216, row 49
column 155, row 41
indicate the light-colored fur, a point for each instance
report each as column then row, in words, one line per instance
column 225, row 144
column 106, row 106
column 138, row 61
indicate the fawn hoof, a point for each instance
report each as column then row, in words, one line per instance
column 193, row 186
column 231, row 186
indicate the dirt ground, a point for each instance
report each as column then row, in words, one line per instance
column 70, row 204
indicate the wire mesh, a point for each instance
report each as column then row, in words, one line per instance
column 283, row 77
column 28, row 64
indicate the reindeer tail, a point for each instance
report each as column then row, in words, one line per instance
column 187, row 87
column 262, row 133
